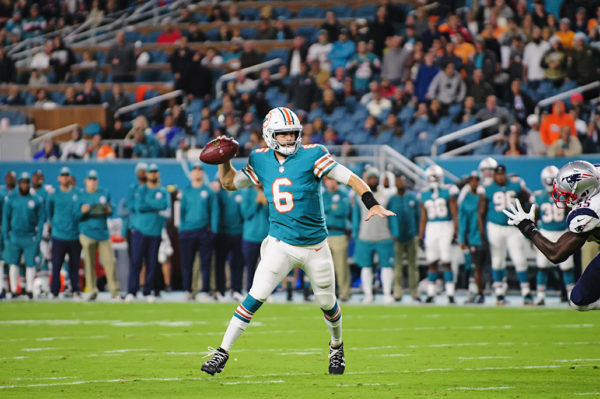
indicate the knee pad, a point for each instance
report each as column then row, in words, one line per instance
column 325, row 301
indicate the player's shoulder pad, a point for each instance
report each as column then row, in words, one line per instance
column 584, row 219
column 481, row 189
column 453, row 190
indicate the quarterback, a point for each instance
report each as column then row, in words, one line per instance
column 291, row 174
column 576, row 186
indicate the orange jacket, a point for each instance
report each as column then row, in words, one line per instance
column 550, row 129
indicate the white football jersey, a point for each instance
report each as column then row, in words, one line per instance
column 584, row 217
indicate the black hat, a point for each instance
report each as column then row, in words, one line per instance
column 500, row 169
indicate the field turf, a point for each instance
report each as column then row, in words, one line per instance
column 58, row 350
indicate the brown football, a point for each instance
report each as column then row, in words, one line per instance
column 219, row 150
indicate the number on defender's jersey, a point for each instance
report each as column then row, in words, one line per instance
column 283, row 200
column 502, row 199
column 436, row 208
column 550, row 213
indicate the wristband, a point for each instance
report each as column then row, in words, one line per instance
column 527, row 228
column 369, row 200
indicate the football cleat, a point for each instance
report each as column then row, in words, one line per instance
column 540, row 302
column 337, row 362
column 216, row 362
column 92, row 297
column 429, row 299
column 528, row 300
column 479, row 299
column 500, row 300
column 451, row 300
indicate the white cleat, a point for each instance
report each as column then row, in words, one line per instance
column 367, row 299
column 205, row 297
column 221, row 298
column 129, row 298
column 150, row 298
column 188, row 296
column 237, row 296
column 388, row 300
column 77, row 297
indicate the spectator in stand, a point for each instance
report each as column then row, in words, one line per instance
column 50, row 152
column 449, row 56
column 379, row 105
column 224, row 34
column 332, row 26
column 243, row 84
column 118, row 131
column 478, row 88
column 321, row 76
column 37, row 79
column 170, row 35
column 533, row 57
column 76, row 147
column 425, row 75
column 217, row 14
column 447, row 86
column 483, row 59
column 341, row 50
column 491, row 110
column 519, row 102
column 250, row 56
column 61, row 60
column 195, row 35
column 121, row 56
column 118, row 98
column 99, row 151
column 265, row 30
column 580, row 24
column 212, row 59
column 42, row 100
column 35, row 24
column 396, row 63
column 591, row 141
column 282, row 29
column 513, row 144
column 319, row 51
column 555, row 62
column 567, row 145
column 565, row 34
column 181, row 64
column 363, row 65
column 8, row 73
column 88, row 60
column 142, row 57
column 533, row 141
column 297, row 55
column 463, row 49
column 540, row 15
column 95, row 15
column 187, row 17
column 359, row 30
column 146, row 145
column 167, row 134
column 204, row 133
column 14, row 96
column 70, row 96
column 584, row 59
column 337, row 81
column 431, row 33
column 303, row 90
column 41, row 59
column 15, row 24
column 552, row 124
column 200, row 82
column 380, row 29
column 90, row 93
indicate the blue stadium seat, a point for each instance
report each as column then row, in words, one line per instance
column 342, row 11
column 309, row 33
column 107, row 96
column 200, row 17
column 249, row 33
column 158, row 56
column 28, row 97
column 57, row 96
column 249, row 14
column 311, row 12
column 132, row 36
column 212, row 34
column 366, row 11
column 101, row 57
column 281, row 12
column 315, row 113
column 151, row 94
column 385, row 137
column 14, row 117
column 150, row 75
column 454, row 109
column 150, row 37
column 406, row 114
column 282, row 53
column 243, row 138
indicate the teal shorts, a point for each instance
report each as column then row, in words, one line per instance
column 28, row 247
column 364, row 251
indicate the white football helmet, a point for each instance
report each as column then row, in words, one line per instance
column 434, row 176
column 282, row 120
column 486, row 167
column 574, row 183
column 548, row 174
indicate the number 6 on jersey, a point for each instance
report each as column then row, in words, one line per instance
column 283, row 200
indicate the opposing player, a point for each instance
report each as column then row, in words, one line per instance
column 576, row 186
column 494, row 229
column 291, row 175
column 439, row 225
column 552, row 224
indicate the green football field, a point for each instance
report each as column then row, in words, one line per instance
column 140, row 350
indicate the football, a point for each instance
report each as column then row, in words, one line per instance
column 219, row 150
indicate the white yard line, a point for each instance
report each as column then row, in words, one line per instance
column 253, row 382
column 40, row 349
column 478, row 388
column 114, row 323
column 484, row 357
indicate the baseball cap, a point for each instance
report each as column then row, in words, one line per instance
column 532, row 119
column 565, row 20
column 91, row 174
column 196, row 165
column 65, row 171
column 152, row 168
column 576, row 96
column 141, row 166
column 372, row 172
column 24, row 176
column 500, row 169
column 554, row 39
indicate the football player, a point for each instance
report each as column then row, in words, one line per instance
column 576, row 186
column 494, row 230
column 439, row 226
column 291, row 176
column 552, row 224
column 486, row 176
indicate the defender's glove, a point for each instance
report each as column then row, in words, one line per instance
column 422, row 244
column 525, row 221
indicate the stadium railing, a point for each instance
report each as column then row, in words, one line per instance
column 551, row 100
column 463, row 133
column 253, row 68
column 151, row 101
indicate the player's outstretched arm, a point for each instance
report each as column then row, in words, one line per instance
column 364, row 192
column 227, row 176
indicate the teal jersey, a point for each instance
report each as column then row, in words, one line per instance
column 43, row 192
column 23, row 218
column 552, row 218
column 337, row 207
column 230, row 215
column 500, row 197
column 437, row 203
column 405, row 225
column 148, row 206
column 293, row 190
column 468, row 227
column 93, row 223
column 198, row 209
column 63, row 214
column 255, row 216
column 126, row 212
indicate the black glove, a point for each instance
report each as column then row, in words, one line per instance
column 422, row 244
column 527, row 228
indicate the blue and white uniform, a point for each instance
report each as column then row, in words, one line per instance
column 440, row 226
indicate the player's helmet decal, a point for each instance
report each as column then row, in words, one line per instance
column 575, row 182
column 282, row 120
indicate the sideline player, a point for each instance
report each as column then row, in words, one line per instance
column 291, row 176
column 577, row 186
column 552, row 224
column 494, row 229
column 439, row 225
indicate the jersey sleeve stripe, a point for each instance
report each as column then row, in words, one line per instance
column 321, row 164
column 580, row 212
column 322, row 159
column 326, row 168
column 251, row 175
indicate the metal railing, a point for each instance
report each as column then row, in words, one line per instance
column 150, row 101
column 566, row 94
column 462, row 133
column 36, row 143
column 253, row 68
